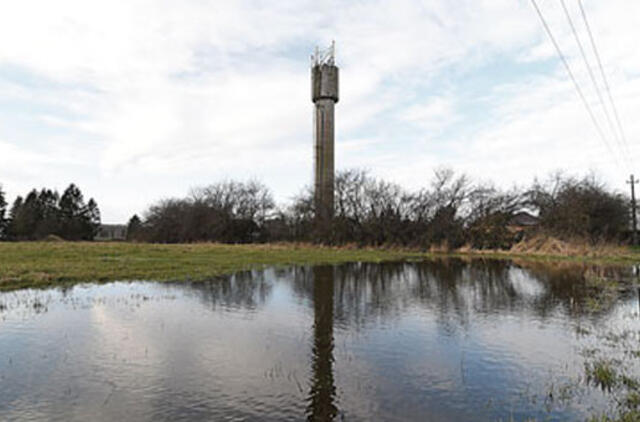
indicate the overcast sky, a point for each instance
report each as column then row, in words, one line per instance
column 139, row 100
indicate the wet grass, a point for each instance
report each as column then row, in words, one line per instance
column 630, row 416
column 42, row 264
column 617, row 377
column 602, row 373
column 604, row 291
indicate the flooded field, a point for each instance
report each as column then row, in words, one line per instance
column 441, row 340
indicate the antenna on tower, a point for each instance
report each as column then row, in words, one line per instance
column 324, row 57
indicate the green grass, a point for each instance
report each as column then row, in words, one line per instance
column 627, row 416
column 622, row 256
column 602, row 373
column 39, row 264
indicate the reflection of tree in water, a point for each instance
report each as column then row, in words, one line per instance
column 248, row 289
column 571, row 284
column 453, row 289
column 321, row 398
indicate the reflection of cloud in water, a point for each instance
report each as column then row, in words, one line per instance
column 524, row 284
column 197, row 370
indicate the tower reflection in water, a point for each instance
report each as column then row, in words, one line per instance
column 322, row 393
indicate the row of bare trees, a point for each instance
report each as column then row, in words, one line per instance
column 451, row 211
column 230, row 212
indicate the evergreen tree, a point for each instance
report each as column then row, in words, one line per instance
column 134, row 228
column 25, row 216
column 72, row 210
column 3, row 212
column 46, row 212
column 49, row 213
column 14, row 217
column 91, row 219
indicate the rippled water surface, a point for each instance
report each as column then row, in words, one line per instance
column 447, row 340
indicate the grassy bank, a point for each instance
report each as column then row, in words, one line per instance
column 545, row 248
column 36, row 264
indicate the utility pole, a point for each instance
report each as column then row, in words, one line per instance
column 634, row 232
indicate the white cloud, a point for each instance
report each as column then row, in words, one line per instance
column 434, row 115
column 142, row 99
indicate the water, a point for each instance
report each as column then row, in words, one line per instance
column 445, row 340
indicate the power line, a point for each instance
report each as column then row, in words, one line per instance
column 575, row 82
column 604, row 77
column 595, row 84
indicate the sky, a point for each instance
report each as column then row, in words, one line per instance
column 139, row 100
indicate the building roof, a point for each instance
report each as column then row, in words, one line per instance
column 113, row 226
column 523, row 218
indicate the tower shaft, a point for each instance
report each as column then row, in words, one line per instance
column 324, row 158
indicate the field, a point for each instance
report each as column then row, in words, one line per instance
column 39, row 264
column 34, row 264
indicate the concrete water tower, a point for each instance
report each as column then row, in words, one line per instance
column 324, row 94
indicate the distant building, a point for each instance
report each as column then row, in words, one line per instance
column 522, row 223
column 112, row 232
column 523, row 220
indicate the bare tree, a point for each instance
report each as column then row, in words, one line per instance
column 572, row 207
